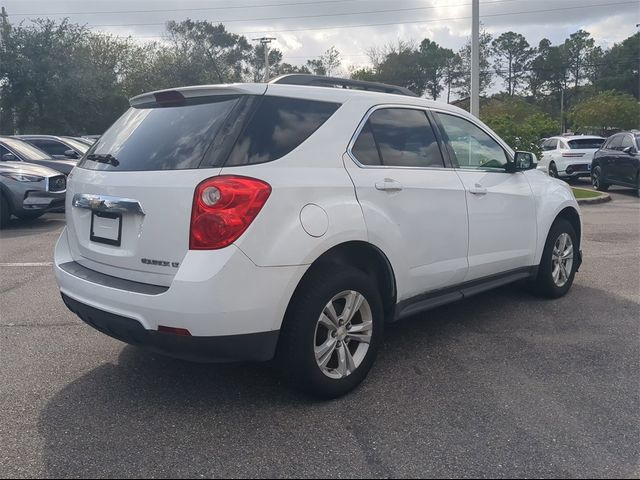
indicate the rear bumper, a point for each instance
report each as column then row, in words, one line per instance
column 252, row 347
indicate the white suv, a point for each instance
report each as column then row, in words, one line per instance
column 260, row 221
column 569, row 156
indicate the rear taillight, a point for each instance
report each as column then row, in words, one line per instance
column 223, row 208
column 573, row 155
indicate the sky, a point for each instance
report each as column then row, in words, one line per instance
column 306, row 28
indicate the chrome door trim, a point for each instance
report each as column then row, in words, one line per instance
column 107, row 203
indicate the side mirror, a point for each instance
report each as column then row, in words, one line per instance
column 522, row 161
column 9, row 157
column 71, row 154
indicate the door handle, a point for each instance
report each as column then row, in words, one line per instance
column 389, row 185
column 478, row 189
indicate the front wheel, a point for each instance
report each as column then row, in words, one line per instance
column 332, row 331
column 597, row 179
column 560, row 260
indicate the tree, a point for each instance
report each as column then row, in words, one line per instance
column 432, row 64
column 286, row 68
column 512, row 59
column 327, row 64
column 463, row 84
column 579, row 49
column 207, row 52
column 607, row 111
column 256, row 63
column 452, row 70
column 525, row 134
column 398, row 64
column 619, row 69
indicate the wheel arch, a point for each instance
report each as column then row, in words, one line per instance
column 365, row 257
column 573, row 217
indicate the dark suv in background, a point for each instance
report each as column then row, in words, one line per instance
column 617, row 162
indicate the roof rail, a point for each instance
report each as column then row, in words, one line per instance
column 333, row 82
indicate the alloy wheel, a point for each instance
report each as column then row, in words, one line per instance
column 562, row 260
column 343, row 334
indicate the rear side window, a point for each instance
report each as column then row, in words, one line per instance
column 627, row 141
column 160, row 138
column 550, row 144
column 50, row 146
column 586, row 143
column 398, row 137
column 277, row 127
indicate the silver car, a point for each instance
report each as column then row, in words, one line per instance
column 14, row 149
column 29, row 191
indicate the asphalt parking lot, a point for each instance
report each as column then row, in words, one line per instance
column 500, row 385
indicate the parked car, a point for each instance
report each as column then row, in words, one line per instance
column 13, row 149
column 57, row 147
column 29, row 191
column 617, row 162
column 569, row 157
column 86, row 141
column 253, row 221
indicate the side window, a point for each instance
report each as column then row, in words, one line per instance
column 627, row 141
column 50, row 146
column 3, row 151
column 277, row 127
column 615, row 142
column 398, row 137
column 365, row 148
column 473, row 147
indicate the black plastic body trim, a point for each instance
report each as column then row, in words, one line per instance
column 437, row 298
column 333, row 82
column 250, row 347
column 77, row 270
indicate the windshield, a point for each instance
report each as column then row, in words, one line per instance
column 79, row 146
column 25, row 150
column 583, row 143
column 160, row 138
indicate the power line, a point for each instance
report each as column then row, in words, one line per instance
column 230, row 7
column 319, row 15
column 341, row 27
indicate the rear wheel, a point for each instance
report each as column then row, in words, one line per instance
column 559, row 261
column 30, row 216
column 5, row 213
column 332, row 332
column 553, row 170
column 597, row 179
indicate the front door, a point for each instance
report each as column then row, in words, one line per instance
column 501, row 206
column 414, row 206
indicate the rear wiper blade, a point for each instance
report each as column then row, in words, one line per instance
column 108, row 158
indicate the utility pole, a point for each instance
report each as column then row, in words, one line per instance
column 475, row 59
column 5, row 24
column 265, row 41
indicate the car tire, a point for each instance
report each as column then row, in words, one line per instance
column 553, row 170
column 5, row 212
column 306, row 342
column 596, row 179
column 554, row 279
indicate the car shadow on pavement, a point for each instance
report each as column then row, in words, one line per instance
column 503, row 384
column 21, row 228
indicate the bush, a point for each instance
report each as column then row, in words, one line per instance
column 523, row 134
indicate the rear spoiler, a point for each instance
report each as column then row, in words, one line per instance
column 155, row 98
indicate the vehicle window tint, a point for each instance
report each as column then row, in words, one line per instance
column 50, row 146
column 627, row 141
column 278, row 126
column 365, row 149
column 473, row 147
column 25, row 150
column 547, row 145
column 160, row 138
column 3, row 151
column 405, row 138
column 586, row 143
column 615, row 142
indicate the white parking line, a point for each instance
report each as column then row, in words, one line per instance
column 31, row 264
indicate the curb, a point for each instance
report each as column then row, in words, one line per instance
column 602, row 198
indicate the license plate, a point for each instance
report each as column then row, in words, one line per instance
column 106, row 228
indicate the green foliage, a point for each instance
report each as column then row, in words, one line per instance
column 519, row 124
column 463, row 84
column 512, row 59
column 607, row 111
column 619, row 68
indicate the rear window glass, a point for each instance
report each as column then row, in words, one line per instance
column 586, row 143
column 278, row 126
column 25, row 150
column 161, row 138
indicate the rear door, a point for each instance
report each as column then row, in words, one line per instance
column 625, row 165
column 502, row 215
column 129, row 201
column 413, row 205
